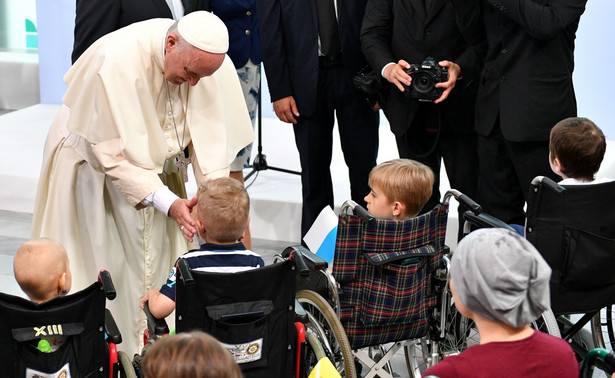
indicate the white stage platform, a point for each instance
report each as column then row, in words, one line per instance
column 276, row 196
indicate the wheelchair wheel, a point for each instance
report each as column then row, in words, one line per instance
column 326, row 325
column 547, row 323
column 126, row 368
column 314, row 349
column 602, row 328
column 460, row 333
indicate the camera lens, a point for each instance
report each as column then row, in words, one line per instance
column 423, row 82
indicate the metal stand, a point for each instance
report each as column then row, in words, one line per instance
column 260, row 160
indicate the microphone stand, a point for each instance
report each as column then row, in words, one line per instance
column 260, row 160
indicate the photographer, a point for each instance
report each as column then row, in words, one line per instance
column 432, row 117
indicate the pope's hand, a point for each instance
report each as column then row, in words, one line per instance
column 180, row 211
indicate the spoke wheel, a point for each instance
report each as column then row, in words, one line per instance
column 425, row 352
column 602, row 328
column 324, row 323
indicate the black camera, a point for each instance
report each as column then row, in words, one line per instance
column 425, row 76
column 369, row 84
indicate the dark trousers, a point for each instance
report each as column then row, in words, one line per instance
column 358, row 127
column 506, row 170
column 458, row 152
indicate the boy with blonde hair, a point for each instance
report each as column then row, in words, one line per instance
column 399, row 189
column 41, row 269
column 223, row 210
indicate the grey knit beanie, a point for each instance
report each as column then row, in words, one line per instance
column 501, row 276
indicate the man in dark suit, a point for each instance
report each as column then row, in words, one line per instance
column 95, row 18
column 310, row 72
column 525, row 89
column 397, row 33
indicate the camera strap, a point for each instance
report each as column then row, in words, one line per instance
column 436, row 139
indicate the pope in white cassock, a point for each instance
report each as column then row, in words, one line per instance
column 136, row 99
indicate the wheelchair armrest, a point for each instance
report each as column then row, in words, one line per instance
column 484, row 220
column 111, row 329
column 300, row 313
column 184, row 270
column 358, row 210
column 107, row 283
column 157, row 327
column 464, row 201
column 312, row 259
column 549, row 184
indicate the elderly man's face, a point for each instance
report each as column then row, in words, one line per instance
column 189, row 65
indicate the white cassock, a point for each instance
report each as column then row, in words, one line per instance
column 106, row 149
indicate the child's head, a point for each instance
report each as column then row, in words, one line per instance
column 399, row 189
column 499, row 275
column 576, row 148
column 42, row 270
column 188, row 355
column 223, row 210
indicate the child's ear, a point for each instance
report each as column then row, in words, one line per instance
column 243, row 235
column 62, row 284
column 398, row 209
column 200, row 228
column 556, row 165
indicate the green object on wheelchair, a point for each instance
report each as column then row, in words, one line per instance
column 410, row 261
column 44, row 346
column 591, row 356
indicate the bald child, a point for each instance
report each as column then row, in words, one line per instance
column 42, row 270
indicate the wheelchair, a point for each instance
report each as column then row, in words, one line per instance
column 573, row 227
column 387, row 290
column 89, row 335
column 252, row 313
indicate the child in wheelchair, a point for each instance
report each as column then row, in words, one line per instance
column 576, row 149
column 222, row 218
column 192, row 354
column 399, row 189
column 41, row 269
column 501, row 282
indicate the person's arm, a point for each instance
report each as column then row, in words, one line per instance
column 470, row 24
column 469, row 63
column 376, row 34
column 142, row 186
column 160, row 305
column 93, row 19
column 273, row 50
column 542, row 20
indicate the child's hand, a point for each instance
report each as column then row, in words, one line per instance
column 145, row 299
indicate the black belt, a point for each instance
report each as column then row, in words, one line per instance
column 326, row 61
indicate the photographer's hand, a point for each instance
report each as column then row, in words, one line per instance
column 453, row 73
column 395, row 74
column 286, row 109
